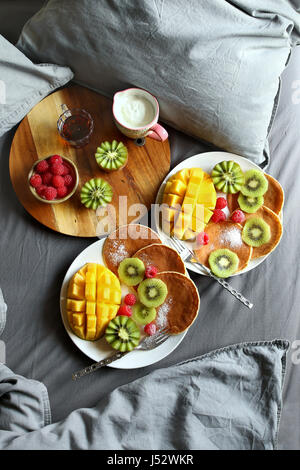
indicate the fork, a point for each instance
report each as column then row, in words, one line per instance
column 148, row 343
column 187, row 255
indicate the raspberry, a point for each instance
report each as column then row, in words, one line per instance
column 58, row 181
column 57, row 168
column 47, row 178
column 66, row 170
column 238, row 216
column 50, row 193
column 130, row 299
column 218, row 216
column 35, row 180
column 125, row 310
column 202, row 238
column 150, row 329
column 68, row 180
column 221, row 203
column 62, row 191
column 42, row 166
column 151, row 271
column 40, row 190
column 55, row 159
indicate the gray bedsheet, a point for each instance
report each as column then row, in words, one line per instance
column 35, row 259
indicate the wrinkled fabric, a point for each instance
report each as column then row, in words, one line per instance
column 23, row 84
column 227, row 399
column 214, row 65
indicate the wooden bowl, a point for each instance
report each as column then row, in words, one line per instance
column 54, row 201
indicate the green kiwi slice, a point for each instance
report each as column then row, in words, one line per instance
column 131, row 271
column 95, row 193
column 256, row 232
column 250, row 204
column 152, row 292
column 256, row 184
column 143, row 315
column 111, row 156
column 122, row 333
column 223, row 262
column 227, row 177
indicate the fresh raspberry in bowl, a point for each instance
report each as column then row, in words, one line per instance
column 53, row 179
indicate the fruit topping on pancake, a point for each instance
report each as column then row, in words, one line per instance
column 124, row 242
column 275, row 231
column 224, row 235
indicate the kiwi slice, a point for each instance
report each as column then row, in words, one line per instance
column 152, row 292
column 256, row 184
column 95, row 193
column 223, row 262
column 256, row 232
column 227, row 177
column 143, row 315
column 122, row 333
column 111, row 156
column 250, row 204
column 131, row 271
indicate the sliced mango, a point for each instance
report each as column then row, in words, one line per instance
column 87, row 318
column 177, row 187
column 172, row 200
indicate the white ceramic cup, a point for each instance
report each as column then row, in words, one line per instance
column 136, row 114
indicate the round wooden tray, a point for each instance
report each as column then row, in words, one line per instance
column 37, row 136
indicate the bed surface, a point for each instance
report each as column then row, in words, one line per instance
column 34, row 261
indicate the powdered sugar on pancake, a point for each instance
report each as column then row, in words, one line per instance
column 118, row 252
column 232, row 237
column 162, row 313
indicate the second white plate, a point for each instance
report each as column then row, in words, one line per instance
column 206, row 161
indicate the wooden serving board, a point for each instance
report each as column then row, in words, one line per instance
column 37, row 137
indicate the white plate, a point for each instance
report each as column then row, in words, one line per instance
column 100, row 349
column 206, row 161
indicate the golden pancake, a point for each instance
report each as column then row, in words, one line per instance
column 161, row 256
column 124, row 242
column 275, row 227
column 181, row 306
column 228, row 235
column 273, row 198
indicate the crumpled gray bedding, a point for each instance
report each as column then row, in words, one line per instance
column 226, row 399
column 34, row 261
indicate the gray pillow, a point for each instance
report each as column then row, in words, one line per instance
column 23, row 84
column 226, row 399
column 214, row 65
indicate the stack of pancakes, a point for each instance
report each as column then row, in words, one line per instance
column 181, row 306
column 219, row 233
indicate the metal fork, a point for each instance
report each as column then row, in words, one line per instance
column 187, row 255
column 148, row 343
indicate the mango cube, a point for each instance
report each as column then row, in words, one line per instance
column 196, row 176
column 177, row 187
column 76, row 305
column 172, row 200
column 91, row 308
column 169, row 213
column 182, row 223
column 182, row 175
column 78, row 319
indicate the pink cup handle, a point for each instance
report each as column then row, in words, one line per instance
column 158, row 132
